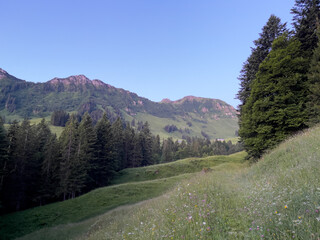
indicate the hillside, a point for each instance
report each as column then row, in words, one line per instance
column 277, row 198
column 99, row 201
column 192, row 116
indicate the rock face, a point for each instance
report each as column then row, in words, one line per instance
column 80, row 94
column 3, row 73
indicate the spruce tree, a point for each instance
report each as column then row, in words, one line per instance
column 305, row 21
column 146, row 145
column 69, row 141
column 129, row 135
column 104, row 164
column 50, row 170
column 273, row 29
column 137, row 155
column 3, row 160
column 314, row 88
column 276, row 107
column 156, row 149
column 85, row 156
column 118, row 144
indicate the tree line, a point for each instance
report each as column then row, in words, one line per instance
column 280, row 81
column 37, row 168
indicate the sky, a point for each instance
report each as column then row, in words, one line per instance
column 155, row 48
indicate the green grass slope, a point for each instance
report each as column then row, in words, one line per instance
column 101, row 200
column 165, row 170
column 277, row 198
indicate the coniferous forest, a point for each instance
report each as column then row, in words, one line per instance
column 38, row 168
column 279, row 82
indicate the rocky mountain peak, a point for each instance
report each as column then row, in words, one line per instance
column 76, row 80
column 3, row 73
column 166, row 100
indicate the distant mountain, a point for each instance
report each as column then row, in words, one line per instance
column 191, row 116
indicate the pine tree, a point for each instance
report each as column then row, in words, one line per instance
column 167, row 150
column 50, row 170
column 146, row 145
column 85, row 156
column 137, row 155
column 129, row 137
column 314, row 88
column 276, row 107
column 104, row 164
column 156, row 149
column 118, row 143
column 305, row 21
column 273, row 29
column 3, row 159
column 69, row 141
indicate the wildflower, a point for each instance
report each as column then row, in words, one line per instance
column 275, row 212
column 285, row 206
column 250, row 229
column 204, row 223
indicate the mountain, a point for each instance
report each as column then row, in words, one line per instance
column 189, row 116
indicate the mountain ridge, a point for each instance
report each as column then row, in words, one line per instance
column 79, row 93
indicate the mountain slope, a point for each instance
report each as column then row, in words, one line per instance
column 192, row 116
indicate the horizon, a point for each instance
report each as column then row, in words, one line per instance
column 156, row 50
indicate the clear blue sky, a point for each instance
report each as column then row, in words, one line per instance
column 155, row 48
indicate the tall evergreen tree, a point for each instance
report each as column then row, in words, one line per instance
column 273, row 29
column 137, row 155
column 276, row 107
column 167, row 150
column 305, row 21
column 50, row 170
column 156, row 149
column 85, row 156
column 314, row 81
column 146, row 145
column 104, row 164
column 129, row 138
column 118, row 144
column 3, row 159
column 68, row 166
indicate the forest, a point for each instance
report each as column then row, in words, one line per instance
column 37, row 168
column 280, row 81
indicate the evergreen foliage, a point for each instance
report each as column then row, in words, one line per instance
column 276, row 107
column 59, row 118
column 37, row 168
column 314, row 88
column 306, row 15
column 273, row 29
column 103, row 153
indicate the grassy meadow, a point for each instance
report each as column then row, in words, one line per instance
column 276, row 198
column 101, row 200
